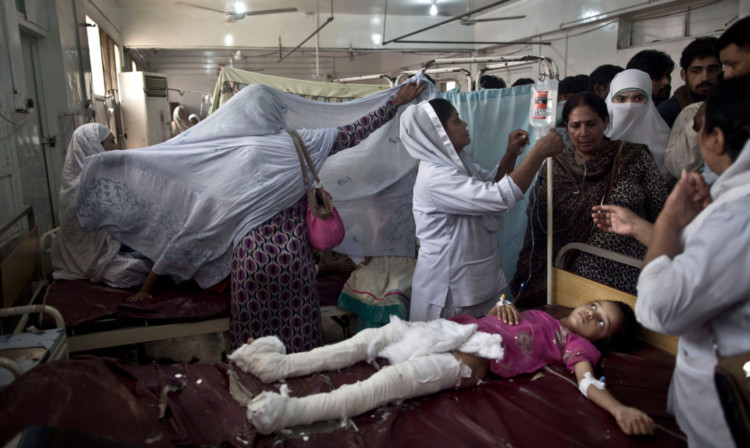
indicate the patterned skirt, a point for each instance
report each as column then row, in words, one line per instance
column 274, row 289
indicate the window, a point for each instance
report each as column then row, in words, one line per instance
column 658, row 25
column 95, row 56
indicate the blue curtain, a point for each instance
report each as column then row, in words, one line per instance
column 491, row 115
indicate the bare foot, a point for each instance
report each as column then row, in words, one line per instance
column 250, row 340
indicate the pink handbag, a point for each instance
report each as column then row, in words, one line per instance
column 325, row 229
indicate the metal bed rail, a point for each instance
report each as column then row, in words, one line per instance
column 407, row 73
column 548, row 67
column 367, row 77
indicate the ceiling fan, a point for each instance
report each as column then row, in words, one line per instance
column 238, row 13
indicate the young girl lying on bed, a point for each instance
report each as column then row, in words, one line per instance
column 428, row 357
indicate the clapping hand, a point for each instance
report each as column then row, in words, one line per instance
column 689, row 197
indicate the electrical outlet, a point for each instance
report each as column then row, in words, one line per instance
column 18, row 102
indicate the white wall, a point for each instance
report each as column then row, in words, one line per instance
column 577, row 47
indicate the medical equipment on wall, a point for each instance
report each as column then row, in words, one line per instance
column 145, row 109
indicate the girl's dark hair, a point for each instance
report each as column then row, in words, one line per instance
column 443, row 109
column 624, row 338
column 728, row 108
column 592, row 100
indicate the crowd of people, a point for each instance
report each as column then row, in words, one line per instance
column 655, row 175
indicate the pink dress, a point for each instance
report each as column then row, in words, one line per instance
column 538, row 339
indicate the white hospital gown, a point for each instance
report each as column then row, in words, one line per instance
column 705, row 287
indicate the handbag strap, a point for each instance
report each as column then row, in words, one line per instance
column 605, row 198
column 302, row 152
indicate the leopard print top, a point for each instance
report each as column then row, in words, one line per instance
column 637, row 185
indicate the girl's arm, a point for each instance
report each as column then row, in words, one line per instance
column 632, row 421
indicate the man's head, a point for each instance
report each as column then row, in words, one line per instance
column 492, row 82
column 734, row 49
column 659, row 67
column 700, row 66
column 523, row 82
column 601, row 78
column 572, row 85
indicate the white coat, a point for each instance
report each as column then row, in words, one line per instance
column 702, row 295
column 457, row 208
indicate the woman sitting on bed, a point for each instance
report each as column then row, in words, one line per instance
column 442, row 354
column 94, row 255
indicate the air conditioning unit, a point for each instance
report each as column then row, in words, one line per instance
column 145, row 109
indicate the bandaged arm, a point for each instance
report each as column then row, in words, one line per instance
column 631, row 420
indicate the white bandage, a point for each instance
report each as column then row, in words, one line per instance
column 270, row 411
column 503, row 301
column 588, row 380
column 266, row 358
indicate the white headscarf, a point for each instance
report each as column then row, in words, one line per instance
column 425, row 138
column 186, row 203
column 77, row 253
column 180, row 120
column 637, row 123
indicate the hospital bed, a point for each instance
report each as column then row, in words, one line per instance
column 95, row 316
column 196, row 404
column 20, row 287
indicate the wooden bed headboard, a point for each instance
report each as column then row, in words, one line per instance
column 572, row 290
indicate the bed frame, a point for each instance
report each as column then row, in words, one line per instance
column 172, row 401
column 114, row 334
column 21, row 284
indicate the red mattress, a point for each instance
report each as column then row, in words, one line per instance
column 81, row 302
column 104, row 398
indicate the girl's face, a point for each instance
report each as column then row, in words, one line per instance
column 456, row 130
column 595, row 320
column 109, row 143
column 586, row 130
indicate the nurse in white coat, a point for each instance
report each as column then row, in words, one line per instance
column 457, row 210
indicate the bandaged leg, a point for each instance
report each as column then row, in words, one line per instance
column 266, row 359
column 270, row 412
